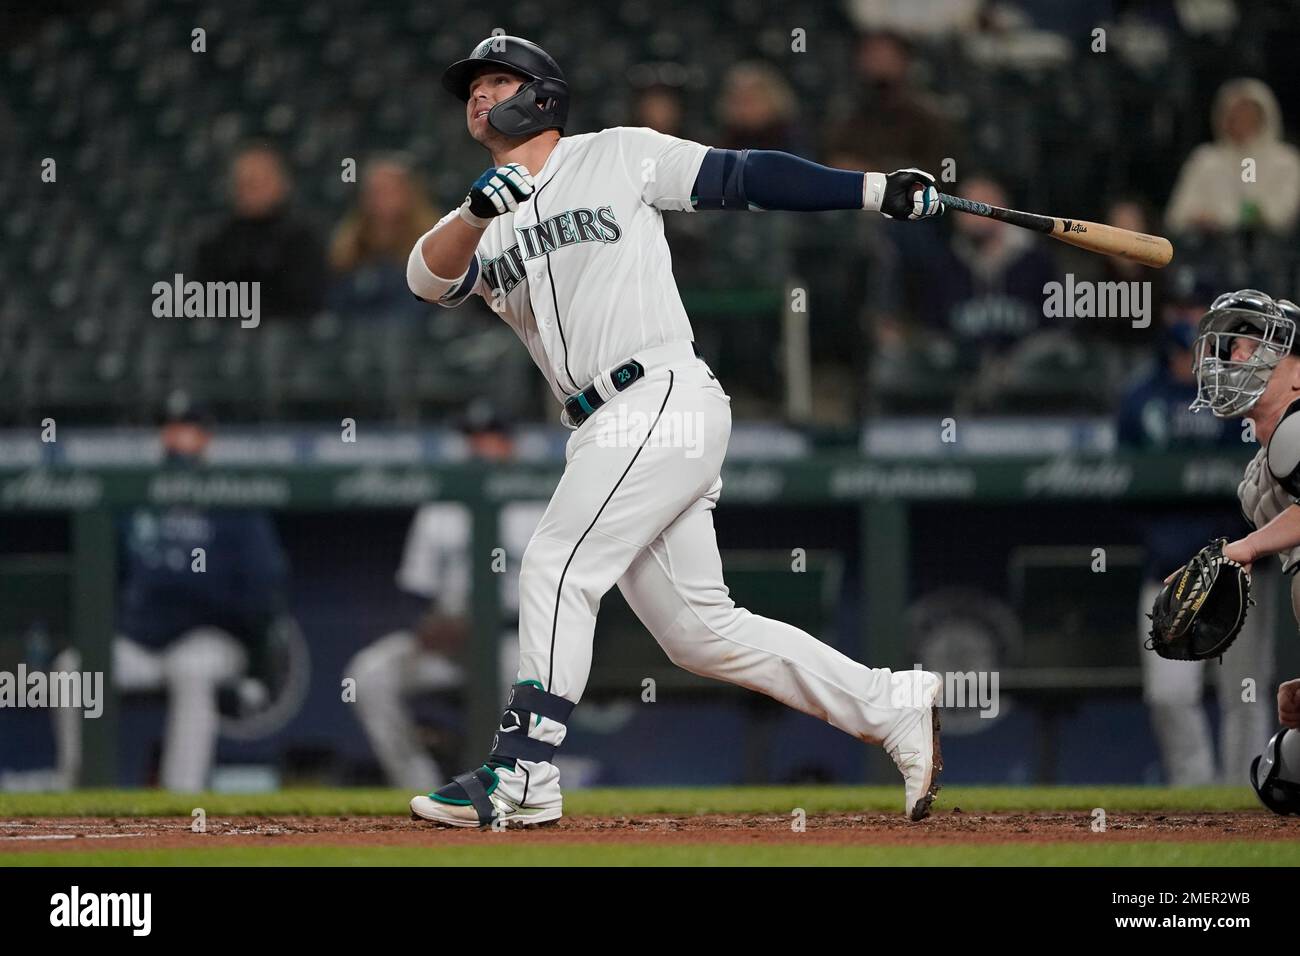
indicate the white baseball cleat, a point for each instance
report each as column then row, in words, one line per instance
column 914, row 743
column 424, row 808
column 474, row 800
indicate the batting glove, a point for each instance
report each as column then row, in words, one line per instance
column 903, row 194
column 498, row 191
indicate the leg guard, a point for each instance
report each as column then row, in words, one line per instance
column 525, row 707
column 526, row 702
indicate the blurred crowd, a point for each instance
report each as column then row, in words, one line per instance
column 1160, row 117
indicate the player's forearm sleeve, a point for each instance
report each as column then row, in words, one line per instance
column 769, row 179
column 431, row 288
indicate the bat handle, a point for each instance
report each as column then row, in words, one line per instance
column 966, row 205
column 1025, row 220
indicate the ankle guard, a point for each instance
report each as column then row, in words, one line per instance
column 511, row 741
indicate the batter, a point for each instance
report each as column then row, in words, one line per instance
column 563, row 237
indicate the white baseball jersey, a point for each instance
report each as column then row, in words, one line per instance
column 435, row 560
column 582, row 271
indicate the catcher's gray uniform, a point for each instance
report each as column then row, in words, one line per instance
column 1173, row 689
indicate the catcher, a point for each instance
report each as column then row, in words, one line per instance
column 1246, row 367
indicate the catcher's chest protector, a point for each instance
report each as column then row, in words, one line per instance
column 1263, row 499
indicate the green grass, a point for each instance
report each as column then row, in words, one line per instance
column 610, row 854
column 628, row 802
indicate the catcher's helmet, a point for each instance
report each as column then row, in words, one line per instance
column 542, row 103
column 1275, row 774
column 1231, row 388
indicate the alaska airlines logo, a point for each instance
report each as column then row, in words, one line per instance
column 564, row 229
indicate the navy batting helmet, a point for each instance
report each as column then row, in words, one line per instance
column 541, row 103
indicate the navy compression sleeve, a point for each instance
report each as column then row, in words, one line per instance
column 769, row 179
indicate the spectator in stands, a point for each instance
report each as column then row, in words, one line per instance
column 1136, row 214
column 1154, row 416
column 891, row 123
column 369, row 249
column 264, row 241
column 985, row 288
column 757, row 110
column 200, row 591
column 1215, row 193
column 659, row 106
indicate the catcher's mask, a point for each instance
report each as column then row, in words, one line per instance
column 1275, row 774
column 1227, row 387
column 541, row 103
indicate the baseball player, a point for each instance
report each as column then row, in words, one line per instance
column 421, row 660
column 1247, row 366
column 1155, row 414
column 563, row 236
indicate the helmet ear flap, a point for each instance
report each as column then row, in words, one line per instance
column 519, row 115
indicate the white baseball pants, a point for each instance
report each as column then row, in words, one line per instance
column 633, row 508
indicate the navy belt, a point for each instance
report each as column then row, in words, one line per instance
column 583, row 405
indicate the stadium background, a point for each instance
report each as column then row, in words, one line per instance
column 142, row 129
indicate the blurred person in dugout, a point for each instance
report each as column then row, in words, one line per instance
column 263, row 240
column 436, row 574
column 889, row 118
column 370, row 245
column 1248, row 178
column 1154, row 415
column 187, row 624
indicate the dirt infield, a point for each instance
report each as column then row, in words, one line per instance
column 949, row 827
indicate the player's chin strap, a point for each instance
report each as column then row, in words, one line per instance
column 511, row 742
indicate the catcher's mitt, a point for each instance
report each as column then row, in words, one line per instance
column 1200, row 612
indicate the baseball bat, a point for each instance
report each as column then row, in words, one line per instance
column 1153, row 251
